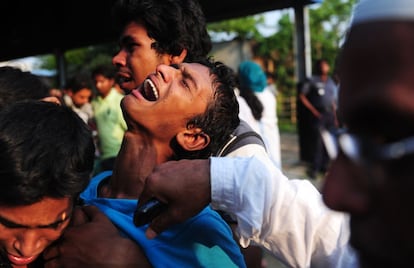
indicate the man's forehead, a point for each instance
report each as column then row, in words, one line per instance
column 375, row 109
column 378, row 64
column 377, row 74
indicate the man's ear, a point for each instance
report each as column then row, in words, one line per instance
column 180, row 58
column 193, row 139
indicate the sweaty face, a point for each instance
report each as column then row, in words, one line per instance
column 168, row 99
column 25, row 231
column 136, row 58
column 377, row 103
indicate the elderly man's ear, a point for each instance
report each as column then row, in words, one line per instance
column 193, row 139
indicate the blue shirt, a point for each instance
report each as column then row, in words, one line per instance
column 202, row 241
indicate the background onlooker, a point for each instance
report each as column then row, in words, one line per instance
column 109, row 120
column 271, row 82
column 252, row 79
column 78, row 94
column 318, row 96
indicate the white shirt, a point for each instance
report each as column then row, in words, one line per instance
column 245, row 113
column 287, row 217
column 269, row 129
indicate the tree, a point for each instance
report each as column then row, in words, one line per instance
column 243, row 28
column 82, row 59
column 327, row 28
column 279, row 49
column 328, row 25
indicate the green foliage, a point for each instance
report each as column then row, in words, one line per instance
column 82, row 59
column 327, row 28
column 286, row 126
column 243, row 28
column 327, row 23
column 47, row 62
column 279, row 49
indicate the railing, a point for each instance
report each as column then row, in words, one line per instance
column 286, row 108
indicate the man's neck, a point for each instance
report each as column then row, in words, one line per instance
column 324, row 77
column 135, row 161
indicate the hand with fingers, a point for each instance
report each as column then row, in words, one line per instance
column 184, row 186
column 93, row 241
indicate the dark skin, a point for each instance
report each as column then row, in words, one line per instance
column 82, row 244
column 172, row 183
column 88, row 222
column 138, row 156
column 376, row 101
column 135, row 161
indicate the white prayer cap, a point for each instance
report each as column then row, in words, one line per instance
column 375, row 10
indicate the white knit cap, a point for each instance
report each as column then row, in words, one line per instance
column 374, row 10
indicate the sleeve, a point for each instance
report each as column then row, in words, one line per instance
column 287, row 217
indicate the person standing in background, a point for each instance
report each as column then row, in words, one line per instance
column 271, row 82
column 78, row 94
column 109, row 120
column 318, row 95
column 253, row 78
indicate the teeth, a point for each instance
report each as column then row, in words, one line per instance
column 149, row 83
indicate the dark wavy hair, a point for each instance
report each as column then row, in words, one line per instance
column 252, row 101
column 174, row 24
column 317, row 68
column 14, row 86
column 221, row 116
column 46, row 151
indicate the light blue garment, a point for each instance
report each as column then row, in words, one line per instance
column 285, row 216
column 202, row 241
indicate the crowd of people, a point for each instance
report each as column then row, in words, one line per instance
column 182, row 137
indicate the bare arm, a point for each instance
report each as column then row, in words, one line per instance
column 309, row 105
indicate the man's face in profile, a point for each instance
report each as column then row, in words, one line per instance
column 377, row 106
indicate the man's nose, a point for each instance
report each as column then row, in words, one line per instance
column 119, row 59
column 341, row 190
column 30, row 242
column 166, row 72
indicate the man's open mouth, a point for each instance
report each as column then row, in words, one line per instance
column 149, row 91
